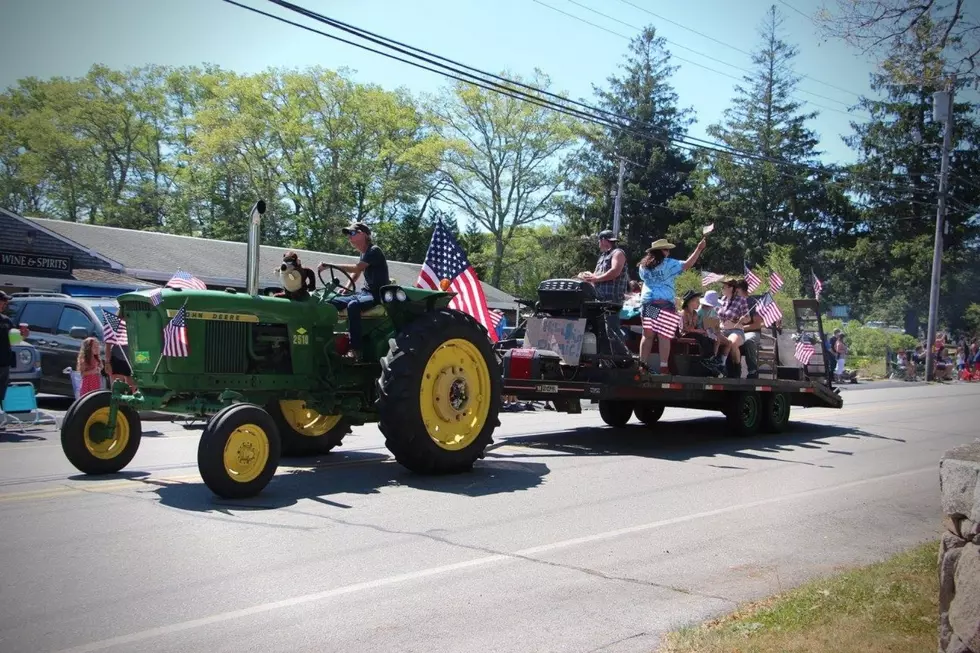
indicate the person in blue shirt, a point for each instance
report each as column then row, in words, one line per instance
column 659, row 272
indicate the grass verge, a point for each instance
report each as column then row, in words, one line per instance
column 891, row 606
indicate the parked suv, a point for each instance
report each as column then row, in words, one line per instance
column 58, row 324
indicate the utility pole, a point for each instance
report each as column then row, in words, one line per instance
column 619, row 197
column 942, row 107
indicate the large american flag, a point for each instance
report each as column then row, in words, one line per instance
column 708, row 278
column 175, row 336
column 114, row 329
column 751, row 279
column 663, row 322
column 804, row 351
column 817, row 286
column 775, row 281
column 182, row 279
column 767, row 309
column 447, row 260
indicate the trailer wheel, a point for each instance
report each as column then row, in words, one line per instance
column 239, row 451
column 775, row 412
column 744, row 413
column 439, row 393
column 305, row 432
column 83, row 437
column 649, row 413
column 615, row 413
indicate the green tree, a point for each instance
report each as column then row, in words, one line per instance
column 507, row 162
column 656, row 169
column 781, row 194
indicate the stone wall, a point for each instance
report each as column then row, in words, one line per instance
column 959, row 551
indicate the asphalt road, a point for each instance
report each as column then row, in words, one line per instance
column 570, row 536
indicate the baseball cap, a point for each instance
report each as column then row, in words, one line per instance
column 607, row 234
column 4, row 296
column 356, row 226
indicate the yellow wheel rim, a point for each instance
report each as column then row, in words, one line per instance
column 111, row 448
column 306, row 421
column 455, row 394
column 246, row 453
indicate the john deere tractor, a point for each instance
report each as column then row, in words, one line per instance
column 271, row 376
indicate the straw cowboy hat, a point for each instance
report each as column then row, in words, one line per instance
column 660, row 244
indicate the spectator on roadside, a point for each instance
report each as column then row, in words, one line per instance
column 840, row 350
column 8, row 336
column 89, row 366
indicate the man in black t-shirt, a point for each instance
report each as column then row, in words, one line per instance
column 6, row 351
column 374, row 266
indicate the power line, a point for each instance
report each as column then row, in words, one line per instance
column 727, row 45
column 509, row 90
column 683, row 47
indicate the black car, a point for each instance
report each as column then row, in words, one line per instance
column 58, row 324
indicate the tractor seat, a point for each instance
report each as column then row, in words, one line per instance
column 374, row 311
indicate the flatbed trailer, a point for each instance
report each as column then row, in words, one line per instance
column 547, row 365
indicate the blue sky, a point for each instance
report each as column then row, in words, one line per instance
column 46, row 38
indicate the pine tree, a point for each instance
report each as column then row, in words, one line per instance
column 656, row 170
column 780, row 194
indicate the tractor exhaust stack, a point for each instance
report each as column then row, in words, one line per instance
column 254, row 241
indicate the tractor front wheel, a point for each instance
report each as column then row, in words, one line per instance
column 239, row 451
column 85, row 436
column 439, row 393
column 305, row 432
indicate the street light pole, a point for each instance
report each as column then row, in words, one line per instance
column 937, row 254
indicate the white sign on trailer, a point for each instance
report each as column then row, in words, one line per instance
column 563, row 336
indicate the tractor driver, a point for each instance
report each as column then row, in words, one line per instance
column 374, row 266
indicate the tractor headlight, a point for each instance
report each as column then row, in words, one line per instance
column 388, row 297
column 25, row 358
column 400, row 294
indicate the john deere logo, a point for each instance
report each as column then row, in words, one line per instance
column 142, row 357
column 220, row 317
column 301, row 330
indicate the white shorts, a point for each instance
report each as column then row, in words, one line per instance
column 840, row 365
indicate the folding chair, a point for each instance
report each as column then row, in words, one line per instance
column 21, row 399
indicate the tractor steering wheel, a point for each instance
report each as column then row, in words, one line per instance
column 333, row 278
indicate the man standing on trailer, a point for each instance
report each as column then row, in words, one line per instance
column 611, row 280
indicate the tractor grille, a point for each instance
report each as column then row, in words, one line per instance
column 226, row 347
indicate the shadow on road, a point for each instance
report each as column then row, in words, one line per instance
column 356, row 473
column 680, row 441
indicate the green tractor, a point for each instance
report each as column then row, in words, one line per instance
column 271, row 377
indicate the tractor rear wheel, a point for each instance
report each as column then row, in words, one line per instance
column 85, row 441
column 615, row 412
column 239, row 451
column 439, row 393
column 305, row 432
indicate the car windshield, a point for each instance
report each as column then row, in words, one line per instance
column 108, row 308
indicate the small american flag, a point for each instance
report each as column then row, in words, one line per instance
column 495, row 318
column 804, row 351
column 775, row 281
column 156, row 297
column 175, row 336
column 663, row 323
column 751, row 279
column 445, row 259
column 708, row 278
column 114, row 329
column 182, row 279
column 767, row 309
column 817, row 286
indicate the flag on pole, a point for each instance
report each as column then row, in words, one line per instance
column 156, row 296
column 804, row 351
column 495, row 318
column 767, row 309
column 446, row 260
column 662, row 322
column 114, row 329
column 817, row 286
column 175, row 336
column 182, row 279
column 775, row 281
column 751, row 279
column 708, row 278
